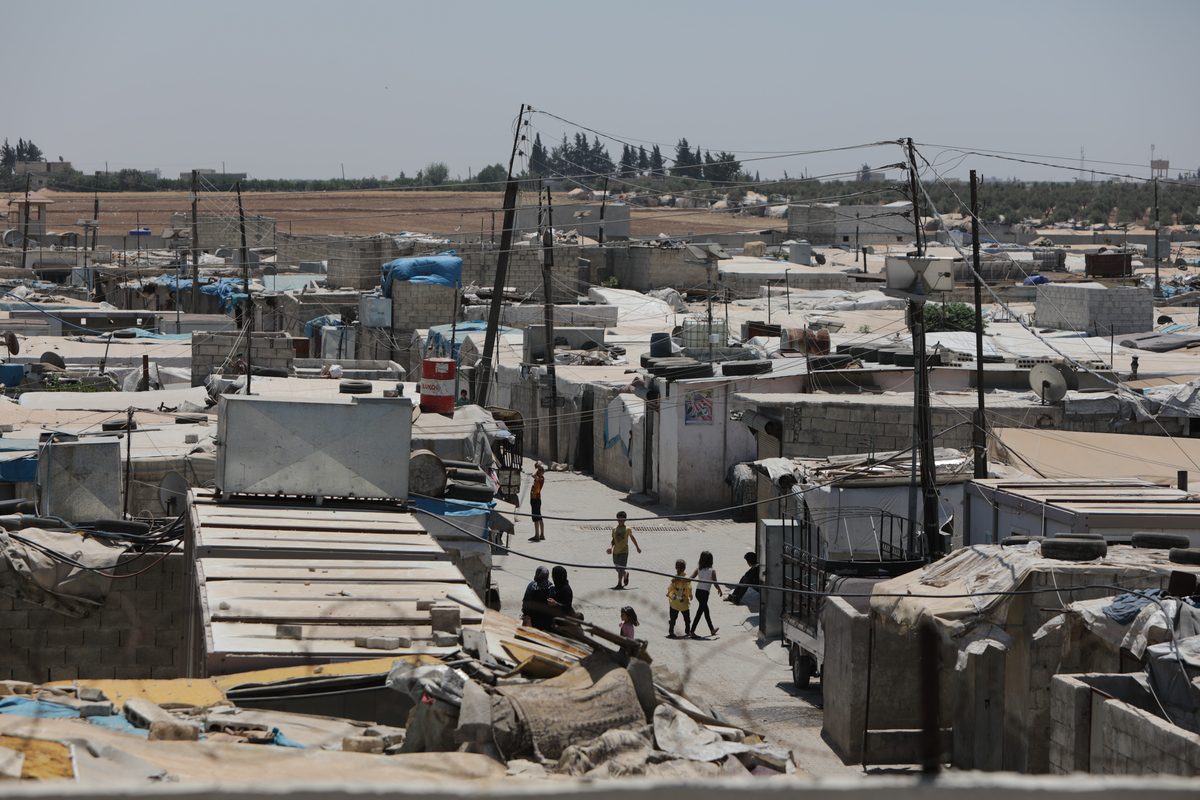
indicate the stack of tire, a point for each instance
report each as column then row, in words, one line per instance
column 675, row 368
column 432, row 476
column 1090, row 546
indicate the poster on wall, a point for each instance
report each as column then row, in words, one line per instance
column 698, row 408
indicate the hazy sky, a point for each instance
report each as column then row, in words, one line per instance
column 300, row 88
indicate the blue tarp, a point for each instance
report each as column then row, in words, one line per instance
column 311, row 326
column 438, row 344
column 19, row 470
column 443, row 269
column 231, row 292
column 451, row 508
column 139, row 333
column 1036, row 280
column 173, row 282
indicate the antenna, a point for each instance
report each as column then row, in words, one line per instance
column 1050, row 382
column 172, row 490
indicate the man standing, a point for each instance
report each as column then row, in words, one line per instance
column 622, row 535
column 535, row 502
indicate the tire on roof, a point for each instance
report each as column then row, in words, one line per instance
column 1185, row 555
column 1160, row 541
column 1067, row 549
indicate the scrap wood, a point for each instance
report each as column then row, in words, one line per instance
column 164, row 692
column 521, row 652
column 538, row 666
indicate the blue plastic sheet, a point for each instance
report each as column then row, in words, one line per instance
column 443, row 269
column 230, row 291
column 451, row 508
column 438, row 342
column 173, row 282
column 311, row 326
column 44, row 709
column 1036, row 280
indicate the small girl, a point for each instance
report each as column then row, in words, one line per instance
column 679, row 594
column 629, row 622
column 706, row 580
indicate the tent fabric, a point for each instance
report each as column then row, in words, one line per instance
column 443, row 269
column 312, row 325
column 29, row 572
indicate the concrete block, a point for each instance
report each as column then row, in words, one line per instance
column 445, row 618
column 174, row 731
column 382, row 642
column 445, row 639
column 144, row 713
column 363, row 744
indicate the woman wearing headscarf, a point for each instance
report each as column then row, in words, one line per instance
column 535, row 605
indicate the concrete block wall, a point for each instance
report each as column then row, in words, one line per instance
column 566, row 315
column 657, row 268
column 524, row 270
column 747, row 285
column 211, row 350
column 1093, row 310
column 138, row 633
column 860, row 426
column 290, row 311
column 1101, row 734
column 421, row 305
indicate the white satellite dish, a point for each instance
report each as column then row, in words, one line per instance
column 172, row 493
column 1050, row 382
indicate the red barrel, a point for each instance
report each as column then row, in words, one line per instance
column 437, row 385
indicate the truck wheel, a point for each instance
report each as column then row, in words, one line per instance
column 803, row 669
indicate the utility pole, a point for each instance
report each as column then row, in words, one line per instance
column 980, row 444
column 25, row 226
column 484, row 376
column 195, row 243
column 603, row 203
column 709, row 293
column 787, row 289
column 921, row 409
column 1157, row 282
column 248, row 321
column 548, row 314
column 96, row 219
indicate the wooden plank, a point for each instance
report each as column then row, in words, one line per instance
column 250, row 591
column 320, row 649
column 397, row 571
column 291, row 513
column 327, row 610
column 283, row 551
column 286, row 524
column 210, row 533
column 342, row 632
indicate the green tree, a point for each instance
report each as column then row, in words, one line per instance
column 949, row 317
column 539, row 161
column 657, row 167
column 8, row 158
column 628, row 166
column 643, row 161
column 435, row 173
column 28, row 151
column 493, row 176
column 683, row 159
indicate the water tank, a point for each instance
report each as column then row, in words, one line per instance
column 800, row 252
column 660, row 345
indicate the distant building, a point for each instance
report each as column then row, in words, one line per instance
column 224, row 176
column 40, row 172
column 827, row 225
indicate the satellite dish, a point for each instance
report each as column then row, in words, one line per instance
column 53, row 358
column 1049, row 382
column 172, row 491
column 13, row 344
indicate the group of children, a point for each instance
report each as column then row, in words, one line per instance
column 679, row 599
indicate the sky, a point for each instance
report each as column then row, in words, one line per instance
column 295, row 88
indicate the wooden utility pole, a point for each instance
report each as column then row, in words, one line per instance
column 195, row 243
column 484, row 376
column 548, row 316
column 980, row 443
column 1157, row 282
column 95, row 219
column 603, row 205
column 248, row 312
column 922, row 421
column 25, row 226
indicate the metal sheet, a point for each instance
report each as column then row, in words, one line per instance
column 314, row 449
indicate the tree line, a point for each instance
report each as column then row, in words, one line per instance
column 580, row 161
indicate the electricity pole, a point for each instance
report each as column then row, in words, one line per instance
column 980, row 444
column 1157, row 283
column 922, row 415
column 25, row 226
column 248, row 312
column 484, row 376
column 195, row 243
column 548, row 314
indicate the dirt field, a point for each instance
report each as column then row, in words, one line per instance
column 360, row 212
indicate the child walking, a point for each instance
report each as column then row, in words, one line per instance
column 629, row 622
column 706, row 580
column 679, row 595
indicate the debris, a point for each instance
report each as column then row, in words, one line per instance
column 363, row 744
column 445, row 618
column 174, row 731
column 383, row 642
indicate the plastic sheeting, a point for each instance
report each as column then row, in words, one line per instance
column 28, row 571
column 443, row 269
column 316, row 323
column 230, row 291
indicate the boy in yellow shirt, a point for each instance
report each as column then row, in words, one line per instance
column 679, row 595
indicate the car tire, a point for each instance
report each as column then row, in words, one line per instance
column 1160, row 541
column 804, row 667
column 354, row 387
column 1067, row 549
column 1185, row 555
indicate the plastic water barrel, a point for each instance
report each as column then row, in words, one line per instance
column 437, row 385
column 660, row 345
